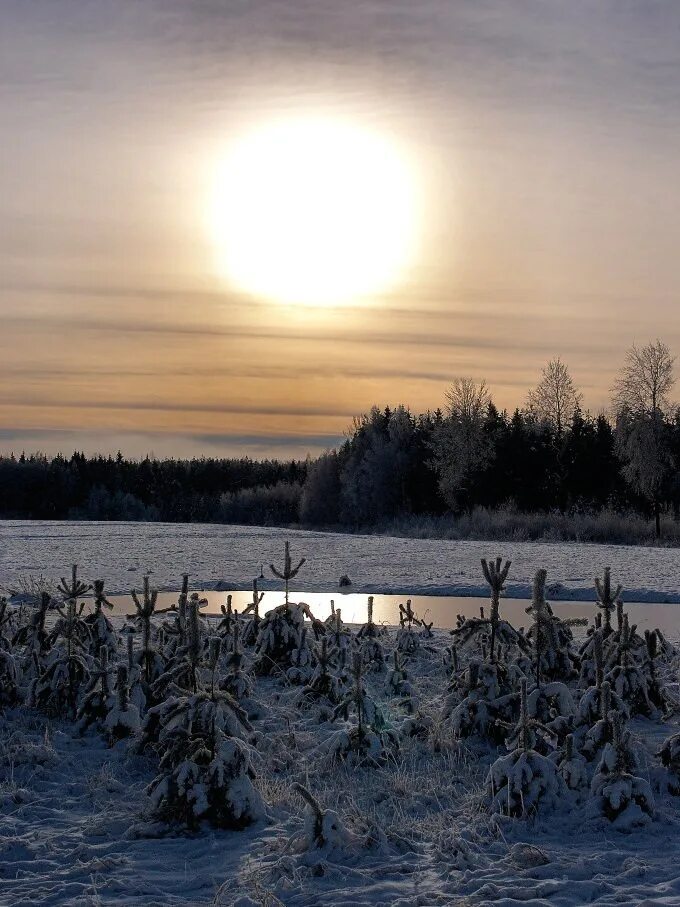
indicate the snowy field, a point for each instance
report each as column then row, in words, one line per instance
column 230, row 556
column 415, row 826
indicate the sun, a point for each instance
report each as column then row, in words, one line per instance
column 314, row 211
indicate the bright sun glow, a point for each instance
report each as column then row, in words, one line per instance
column 314, row 211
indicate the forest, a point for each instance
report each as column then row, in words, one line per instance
column 548, row 456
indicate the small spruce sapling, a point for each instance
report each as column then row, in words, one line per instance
column 100, row 627
column 524, row 781
column 122, row 719
column 602, row 731
column 33, row 638
column 252, row 626
column 495, row 574
column 94, row 707
column 623, row 798
column 57, row 688
column 323, row 684
column 288, row 572
column 607, row 600
column 151, row 663
column 628, row 680
column 370, row 740
column 407, row 640
column 369, row 630
column 572, row 767
column 9, row 664
column 554, row 658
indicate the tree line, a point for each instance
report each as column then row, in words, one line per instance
column 547, row 455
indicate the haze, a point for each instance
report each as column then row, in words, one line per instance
column 546, row 136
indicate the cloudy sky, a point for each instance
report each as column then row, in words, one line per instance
column 546, row 139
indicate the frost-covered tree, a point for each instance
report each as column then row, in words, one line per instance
column 642, row 401
column 461, row 447
column 555, row 398
column 150, row 661
column 524, row 781
column 58, row 686
column 623, row 798
column 320, row 498
column 554, row 656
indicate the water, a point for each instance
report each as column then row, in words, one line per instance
column 442, row 610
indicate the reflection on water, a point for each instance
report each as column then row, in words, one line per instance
column 440, row 609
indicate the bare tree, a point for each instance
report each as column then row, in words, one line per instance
column 641, row 398
column 467, row 400
column 460, row 446
column 555, row 398
column 646, row 381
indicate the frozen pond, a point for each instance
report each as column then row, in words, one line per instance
column 442, row 610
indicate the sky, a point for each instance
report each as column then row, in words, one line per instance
column 543, row 137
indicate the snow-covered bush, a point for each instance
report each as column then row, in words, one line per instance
column 553, row 705
column 325, row 833
column 206, row 778
column 524, row 781
column 480, row 701
column 373, row 655
column 279, row 636
column 623, row 798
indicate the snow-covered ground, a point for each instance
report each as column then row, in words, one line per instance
column 74, row 813
column 73, row 830
column 229, row 557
